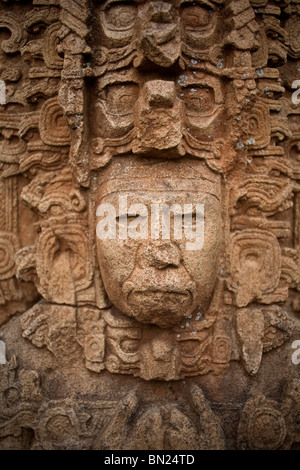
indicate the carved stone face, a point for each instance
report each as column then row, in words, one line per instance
column 150, row 125
column 156, row 279
column 152, row 94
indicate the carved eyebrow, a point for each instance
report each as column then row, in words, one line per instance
column 120, row 83
column 126, row 76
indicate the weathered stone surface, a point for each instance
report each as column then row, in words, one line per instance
column 117, row 331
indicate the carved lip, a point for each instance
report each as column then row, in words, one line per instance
column 181, row 295
column 160, row 291
column 187, row 289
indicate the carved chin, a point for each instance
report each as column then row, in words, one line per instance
column 164, row 309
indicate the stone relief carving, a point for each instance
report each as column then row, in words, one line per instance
column 266, row 424
column 163, row 102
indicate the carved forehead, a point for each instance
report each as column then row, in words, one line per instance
column 144, row 174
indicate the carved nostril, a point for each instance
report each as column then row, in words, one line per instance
column 160, row 255
column 159, row 93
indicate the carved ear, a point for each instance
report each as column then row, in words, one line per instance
column 52, row 124
column 63, row 263
column 255, row 265
column 258, row 126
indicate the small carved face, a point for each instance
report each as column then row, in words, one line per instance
column 157, row 31
column 158, row 237
column 157, row 117
column 152, row 92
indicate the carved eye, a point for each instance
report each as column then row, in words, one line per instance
column 273, row 35
column 198, row 98
column 121, row 15
column 121, row 98
column 36, row 98
column 124, row 220
column 189, row 347
column 129, row 345
column 37, row 28
column 253, row 212
column 32, row 135
column 186, row 219
column 196, row 17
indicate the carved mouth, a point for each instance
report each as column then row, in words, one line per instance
column 160, row 291
column 130, row 289
column 160, row 307
column 162, row 303
column 164, row 297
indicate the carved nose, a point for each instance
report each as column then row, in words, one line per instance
column 159, row 94
column 160, row 254
column 158, row 121
column 160, row 38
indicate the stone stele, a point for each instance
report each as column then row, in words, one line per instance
column 133, row 339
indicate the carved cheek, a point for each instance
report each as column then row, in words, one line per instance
column 116, row 260
column 202, row 264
